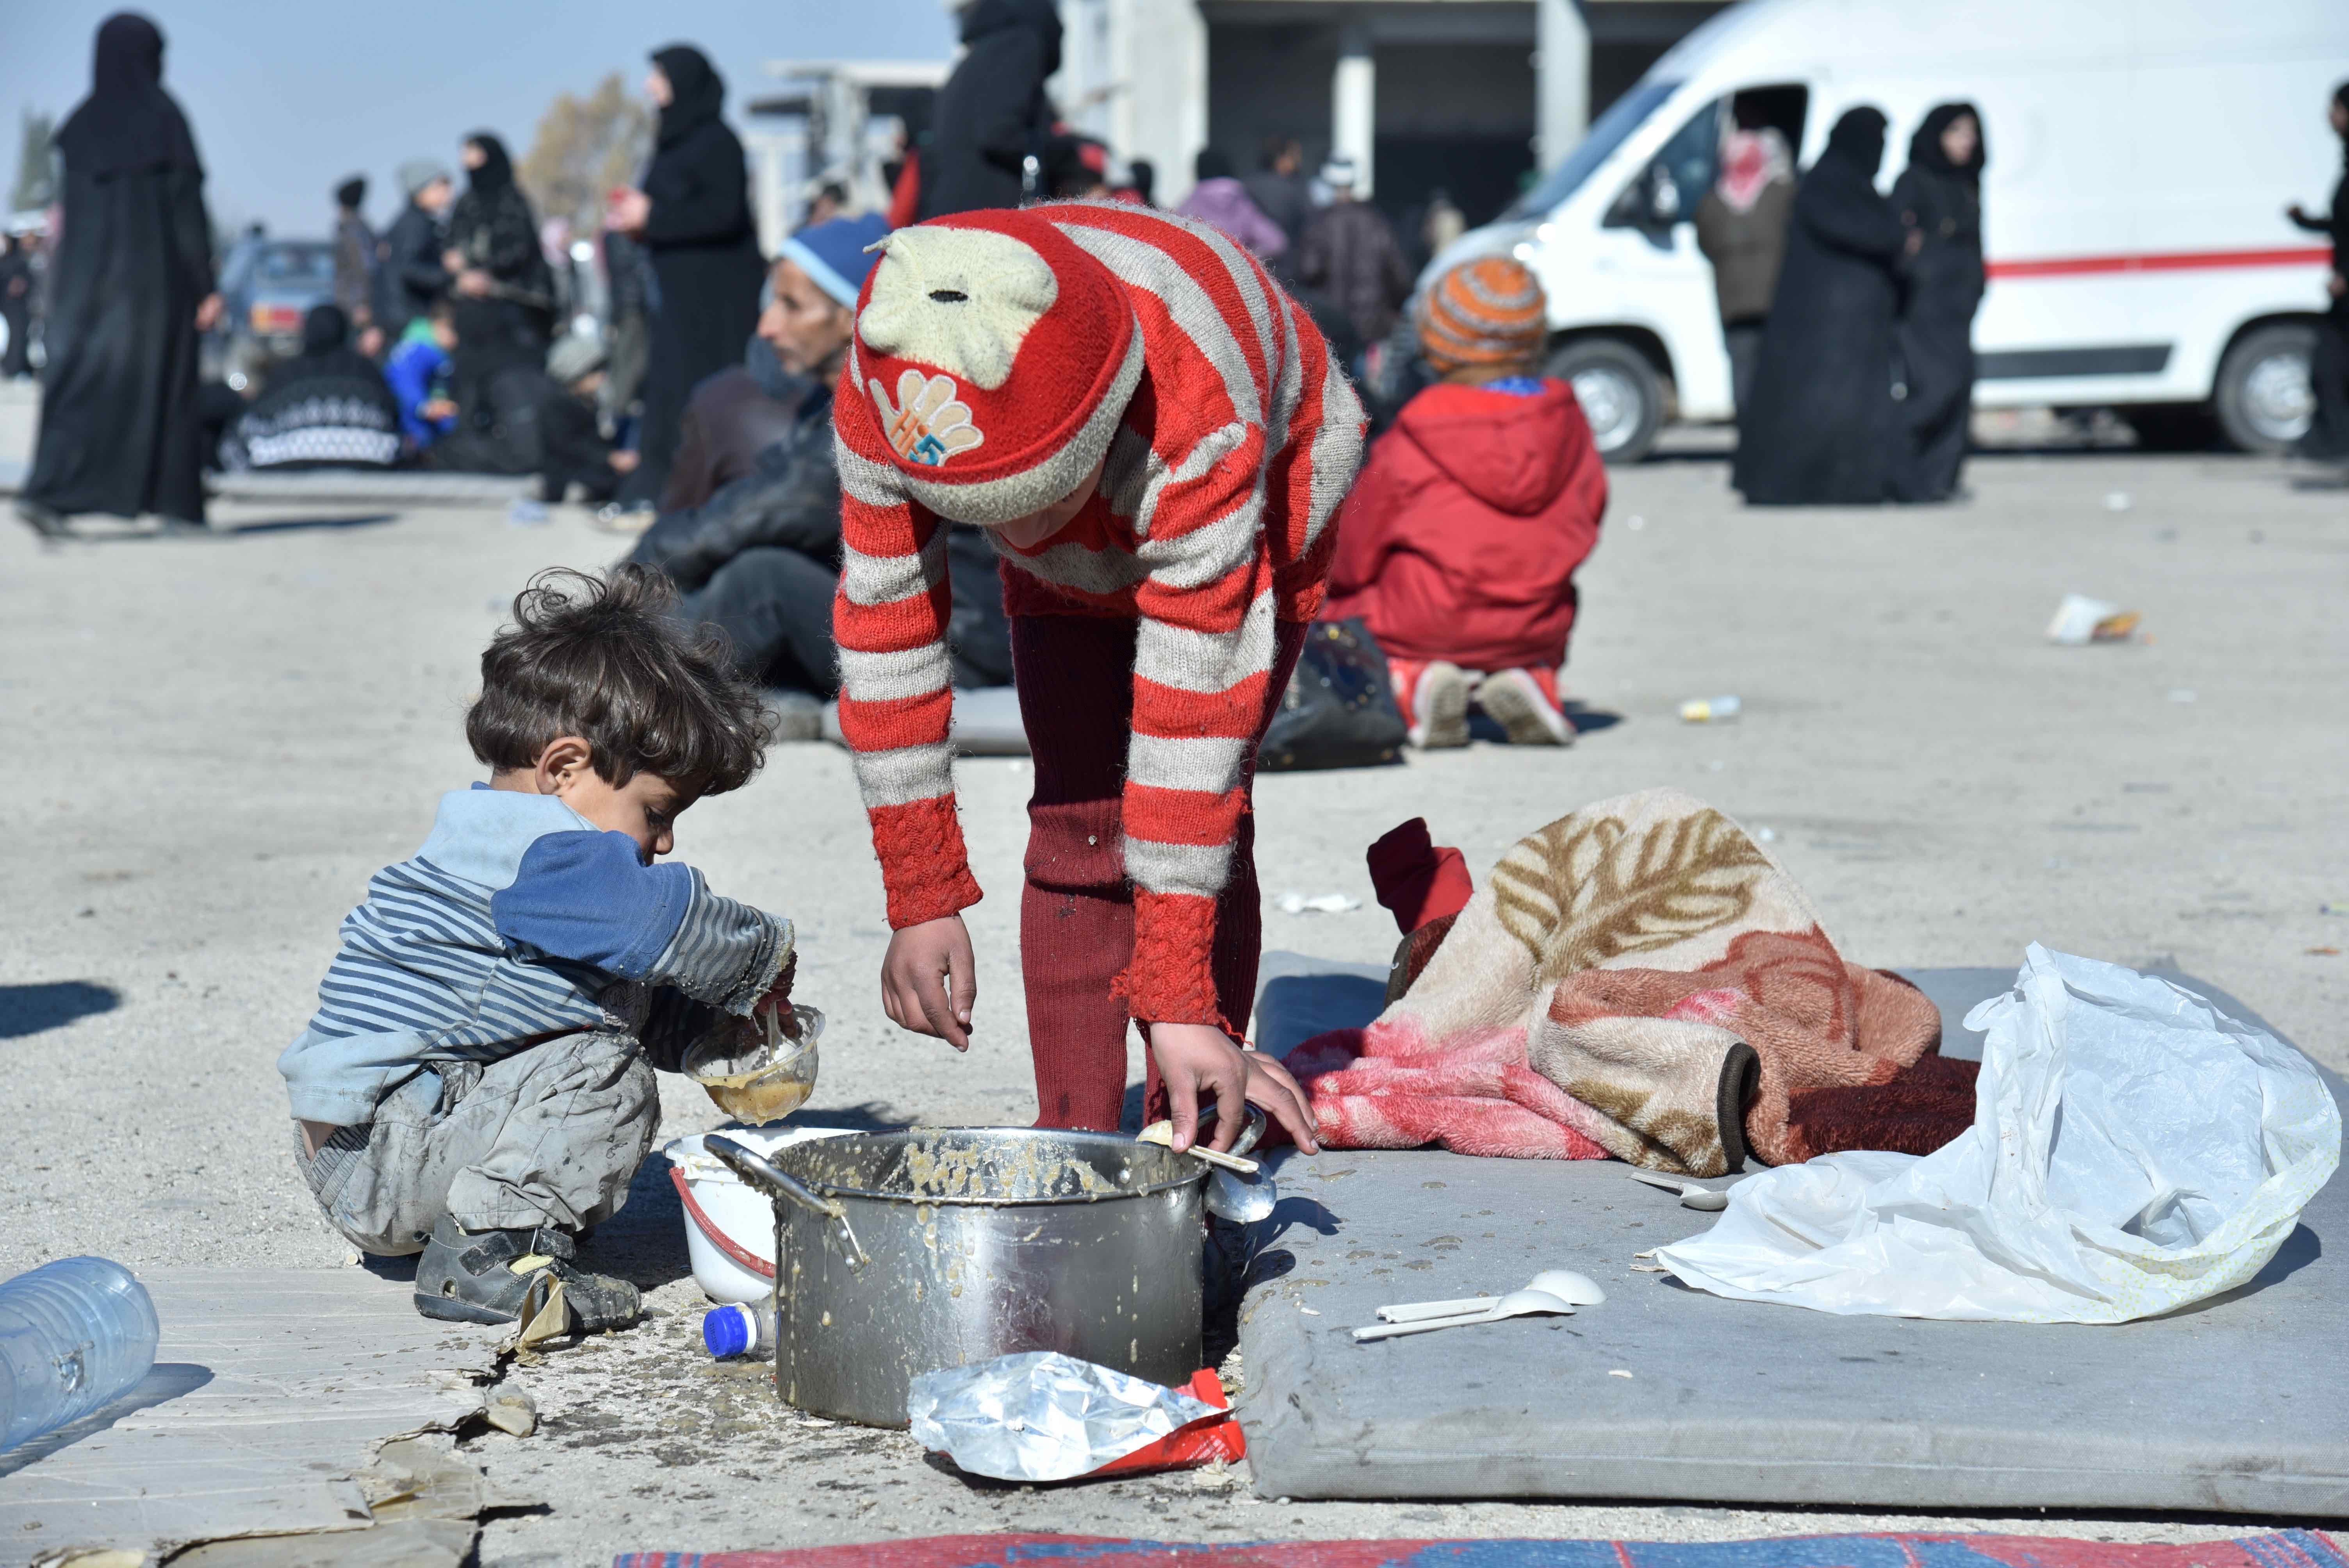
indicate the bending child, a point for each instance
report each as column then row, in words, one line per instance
column 1460, row 542
column 1154, row 438
column 478, row 1080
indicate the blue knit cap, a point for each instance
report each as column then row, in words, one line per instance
column 833, row 253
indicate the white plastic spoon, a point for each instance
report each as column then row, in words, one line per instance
column 1516, row 1304
column 1692, row 1195
column 1578, row 1290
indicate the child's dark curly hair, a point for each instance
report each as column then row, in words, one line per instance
column 605, row 659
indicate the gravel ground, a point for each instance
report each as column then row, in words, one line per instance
column 221, row 739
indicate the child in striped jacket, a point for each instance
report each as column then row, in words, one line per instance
column 1155, row 438
column 478, row 1080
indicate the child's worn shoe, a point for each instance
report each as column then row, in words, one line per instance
column 482, row 1276
column 1433, row 697
column 1525, row 703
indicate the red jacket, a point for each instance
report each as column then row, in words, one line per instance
column 1461, row 538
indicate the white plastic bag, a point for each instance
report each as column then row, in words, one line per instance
column 2133, row 1150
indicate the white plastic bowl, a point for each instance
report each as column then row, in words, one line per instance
column 729, row 1231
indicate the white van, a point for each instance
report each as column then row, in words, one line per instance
column 2141, row 155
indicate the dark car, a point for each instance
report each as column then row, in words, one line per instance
column 267, row 287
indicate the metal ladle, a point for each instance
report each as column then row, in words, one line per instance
column 1516, row 1304
column 1242, row 1200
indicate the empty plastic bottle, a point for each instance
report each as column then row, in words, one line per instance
column 74, row 1334
column 1710, row 711
column 740, row 1329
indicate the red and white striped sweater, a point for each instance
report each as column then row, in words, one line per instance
column 1210, row 524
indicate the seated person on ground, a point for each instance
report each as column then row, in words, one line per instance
column 540, row 422
column 328, row 406
column 571, row 445
column 729, row 419
column 1459, row 542
column 477, row 1083
column 417, row 372
column 759, row 556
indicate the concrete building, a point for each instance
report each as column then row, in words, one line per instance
column 1471, row 96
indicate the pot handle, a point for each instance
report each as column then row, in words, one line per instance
column 761, row 1173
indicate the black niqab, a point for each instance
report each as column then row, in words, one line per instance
column 128, row 122
column 1042, row 17
column 1925, row 149
column 703, row 239
column 496, row 173
column 1939, row 205
column 1822, row 427
column 697, row 93
column 993, row 113
column 122, row 426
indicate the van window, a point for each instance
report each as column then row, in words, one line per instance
column 1783, row 108
column 1623, row 117
column 1666, row 192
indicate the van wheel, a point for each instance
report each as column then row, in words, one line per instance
column 2263, row 399
column 1619, row 391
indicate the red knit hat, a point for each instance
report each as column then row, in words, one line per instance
column 997, row 357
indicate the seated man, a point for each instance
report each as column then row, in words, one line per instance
column 730, row 419
column 759, row 556
column 541, row 422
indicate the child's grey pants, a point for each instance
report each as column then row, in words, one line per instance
column 551, row 1135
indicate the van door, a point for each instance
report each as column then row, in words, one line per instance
column 1649, row 242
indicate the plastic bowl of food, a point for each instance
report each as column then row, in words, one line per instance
column 761, row 1071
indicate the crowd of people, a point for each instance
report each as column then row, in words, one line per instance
column 1849, row 314
column 1025, row 429
column 698, row 416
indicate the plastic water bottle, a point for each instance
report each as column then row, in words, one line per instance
column 74, row 1334
column 1710, row 711
column 740, row 1329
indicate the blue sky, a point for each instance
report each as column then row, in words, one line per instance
column 288, row 96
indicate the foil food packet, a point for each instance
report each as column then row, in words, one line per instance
column 1039, row 1415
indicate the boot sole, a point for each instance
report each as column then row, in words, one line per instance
column 1445, row 689
column 449, row 1309
column 1519, row 711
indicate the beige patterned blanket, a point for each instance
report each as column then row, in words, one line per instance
column 1640, row 979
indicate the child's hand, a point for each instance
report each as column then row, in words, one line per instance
column 777, row 999
column 929, row 980
column 1196, row 1057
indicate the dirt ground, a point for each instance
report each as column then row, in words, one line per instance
column 219, row 740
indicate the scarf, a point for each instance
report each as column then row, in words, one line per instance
column 128, row 123
column 1751, row 162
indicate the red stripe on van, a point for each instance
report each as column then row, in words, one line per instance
column 2172, row 262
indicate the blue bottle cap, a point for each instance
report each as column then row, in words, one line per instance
column 728, row 1330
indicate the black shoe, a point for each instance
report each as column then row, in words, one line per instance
column 182, row 528
column 484, row 1277
column 46, row 521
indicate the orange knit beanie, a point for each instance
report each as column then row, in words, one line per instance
column 1489, row 311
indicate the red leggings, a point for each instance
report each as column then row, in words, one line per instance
column 1075, row 676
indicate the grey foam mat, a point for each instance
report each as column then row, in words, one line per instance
column 2236, row 1404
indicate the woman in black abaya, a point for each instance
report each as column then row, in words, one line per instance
column 130, row 289
column 1939, row 197
column 1823, row 430
column 503, row 291
column 694, row 218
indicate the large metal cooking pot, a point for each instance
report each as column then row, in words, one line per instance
column 900, row 1253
